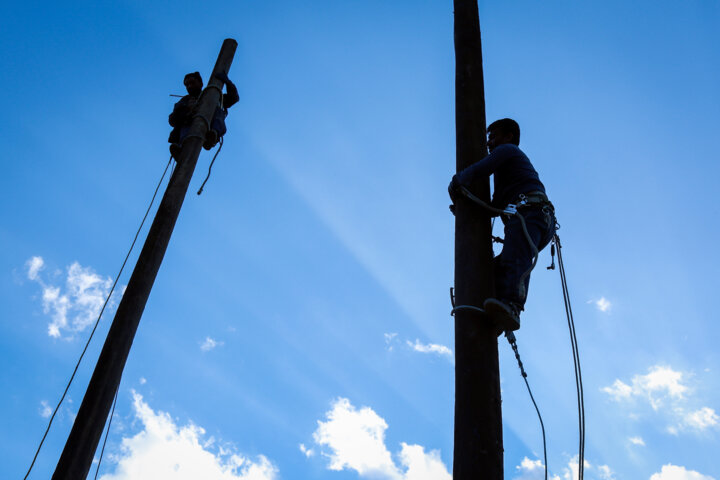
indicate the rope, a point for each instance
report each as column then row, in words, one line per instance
column 533, row 247
column 210, row 167
column 513, row 344
column 87, row 344
column 571, row 326
column 485, row 205
column 576, row 360
column 107, row 432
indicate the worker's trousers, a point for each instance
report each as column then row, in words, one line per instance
column 512, row 267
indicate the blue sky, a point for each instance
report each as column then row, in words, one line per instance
column 299, row 326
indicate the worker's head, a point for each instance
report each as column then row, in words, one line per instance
column 193, row 82
column 505, row 130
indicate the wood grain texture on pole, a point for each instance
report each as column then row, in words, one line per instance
column 478, row 449
column 77, row 456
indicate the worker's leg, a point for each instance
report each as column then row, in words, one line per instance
column 177, row 137
column 217, row 129
column 516, row 258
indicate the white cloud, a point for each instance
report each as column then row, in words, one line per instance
column 34, row 265
column 309, row 452
column 535, row 470
column 531, row 470
column 143, row 380
column 665, row 390
column 603, row 304
column 430, row 348
column 356, row 441
column 530, row 466
column 45, row 410
column 605, row 472
column 77, row 305
column 658, row 385
column 171, row 452
column 390, row 339
column 422, row 466
column 701, row 419
column 637, row 441
column 619, row 390
column 673, row 472
column 209, row 343
column 572, row 471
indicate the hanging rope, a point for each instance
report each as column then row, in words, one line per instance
column 107, row 299
column 513, row 344
column 210, row 167
column 576, row 360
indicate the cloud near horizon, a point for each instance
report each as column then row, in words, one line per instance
column 658, row 386
column 535, row 470
column 164, row 450
column 674, row 472
column 355, row 440
column 666, row 391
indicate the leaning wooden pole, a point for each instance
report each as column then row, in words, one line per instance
column 478, row 451
column 87, row 429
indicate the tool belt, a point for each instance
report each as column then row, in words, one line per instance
column 533, row 199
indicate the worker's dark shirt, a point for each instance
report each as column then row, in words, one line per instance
column 512, row 172
column 181, row 114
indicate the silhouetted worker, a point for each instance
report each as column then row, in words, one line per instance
column 516, row 182
column 181, row 117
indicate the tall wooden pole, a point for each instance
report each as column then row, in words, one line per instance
column 87, row 429
column 478, row 452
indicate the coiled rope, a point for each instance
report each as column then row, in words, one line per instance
column 107, row 299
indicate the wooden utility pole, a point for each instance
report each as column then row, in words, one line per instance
column 478, row 452
column 87, row 429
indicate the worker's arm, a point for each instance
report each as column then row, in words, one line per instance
column 231, row 97
column 481, row 169
column 486, row 166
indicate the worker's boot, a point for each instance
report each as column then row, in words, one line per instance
column 506, row 315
